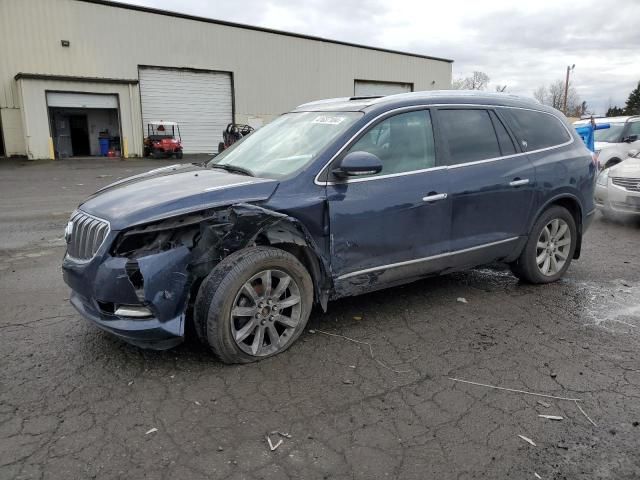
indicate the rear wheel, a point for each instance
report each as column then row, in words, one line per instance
column 179, row 154
column 221, row 147
column 549, row 249
column 254, row 304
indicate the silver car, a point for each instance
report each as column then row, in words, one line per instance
column 618, row 187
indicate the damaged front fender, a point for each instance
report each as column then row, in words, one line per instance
column 160, row 265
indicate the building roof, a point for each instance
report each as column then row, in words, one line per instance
column 196, row 18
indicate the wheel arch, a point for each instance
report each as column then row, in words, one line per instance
column 291, row 236
column 252, row 225
column 612, row 162
column 572, row 204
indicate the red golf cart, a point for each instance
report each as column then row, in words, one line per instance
column 163, row 140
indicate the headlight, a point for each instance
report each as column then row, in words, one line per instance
column 603, row 178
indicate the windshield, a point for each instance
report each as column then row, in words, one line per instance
column 287, row 144
column 611, row 134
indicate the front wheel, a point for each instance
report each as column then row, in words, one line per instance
column 254, row 304
column 179, row 154
column 549, row 249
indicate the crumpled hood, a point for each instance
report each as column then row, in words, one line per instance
column 629, row 168
column 173, row 190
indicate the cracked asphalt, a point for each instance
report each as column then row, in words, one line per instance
column 76, row 403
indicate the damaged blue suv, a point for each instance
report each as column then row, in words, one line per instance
column 336, row 198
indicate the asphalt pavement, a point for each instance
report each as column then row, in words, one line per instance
column 367, row 392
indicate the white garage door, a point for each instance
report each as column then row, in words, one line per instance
column 81, row 100
column 364, row 88
column 201, row 103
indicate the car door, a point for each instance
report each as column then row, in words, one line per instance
column 394, row 225
column 491, row 185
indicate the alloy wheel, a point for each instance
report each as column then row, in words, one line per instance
column 266, row 313
column 553, row 247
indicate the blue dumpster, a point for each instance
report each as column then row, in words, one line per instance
column 104, row 146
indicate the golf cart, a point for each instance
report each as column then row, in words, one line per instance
column 163, row 140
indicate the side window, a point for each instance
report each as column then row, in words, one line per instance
column 403, row 142
column 634, row 129
column 506, row 144
column 537, row 129
column 469, row 135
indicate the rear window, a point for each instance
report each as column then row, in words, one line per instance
column 537, row 129
column 469, row 134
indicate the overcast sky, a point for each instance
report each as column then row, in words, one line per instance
column 523, row 45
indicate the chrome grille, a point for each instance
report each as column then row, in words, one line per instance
column 631, row 184
column 86, row 235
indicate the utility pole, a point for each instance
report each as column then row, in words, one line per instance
column 566, row 86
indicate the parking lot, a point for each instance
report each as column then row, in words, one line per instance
column 367, row 392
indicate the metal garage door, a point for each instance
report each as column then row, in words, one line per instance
column 365, row 88
column 201, row 103
column 81, row 100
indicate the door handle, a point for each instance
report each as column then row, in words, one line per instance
column 435, row 197
column 519, row 183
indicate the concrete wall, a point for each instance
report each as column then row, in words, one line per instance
column 12, row 130
column 272, row 73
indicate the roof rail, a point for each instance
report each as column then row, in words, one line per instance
column 365, row 97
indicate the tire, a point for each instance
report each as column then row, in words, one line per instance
column 223, row 292
column 221, row 147
column 179, row 154
column 157, row 154
column 526, row 267
column 146, row 152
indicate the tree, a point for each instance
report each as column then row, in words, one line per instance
column 615, row 112
column 580, row 110
column 632, row 105
column 540, row 94
column 501, row 88
column 553, row 95
column 477, row 81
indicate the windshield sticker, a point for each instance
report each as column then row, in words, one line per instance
column 328, row 120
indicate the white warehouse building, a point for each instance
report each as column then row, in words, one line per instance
column 73, row 72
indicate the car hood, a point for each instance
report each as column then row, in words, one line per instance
column 629, row 168
column 173, row 190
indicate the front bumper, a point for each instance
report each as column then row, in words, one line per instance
column 145, row 332
column 617, row 200
column 160, row 281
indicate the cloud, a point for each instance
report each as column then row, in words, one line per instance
column 522, row 45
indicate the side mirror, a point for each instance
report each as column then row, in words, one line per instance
column 355, row 164
column 633, row 152
column 630, row 138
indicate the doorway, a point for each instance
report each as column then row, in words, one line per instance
column 84, row 124
column 83, row 132
column 79, row 131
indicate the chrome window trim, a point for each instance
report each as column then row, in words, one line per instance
column 440, row 167
column 424, row 259
column 106, row 235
